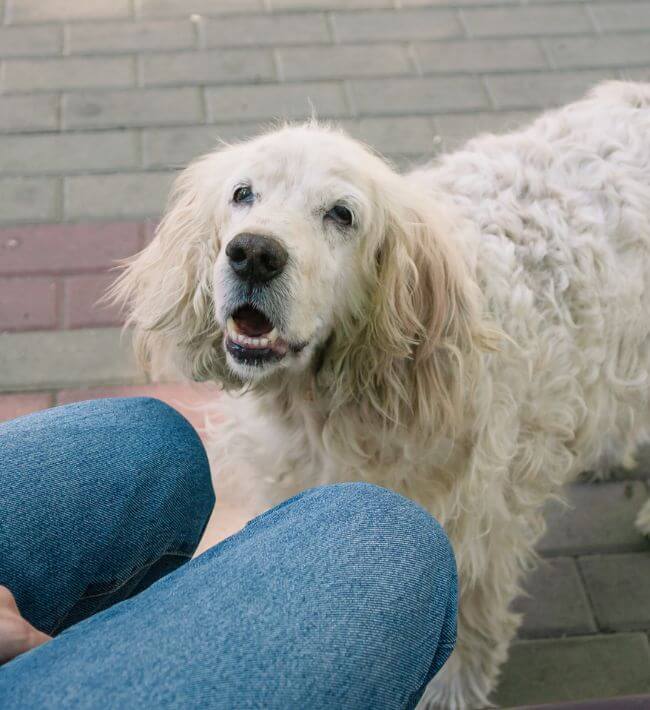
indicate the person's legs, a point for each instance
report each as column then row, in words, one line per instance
column 343, row 597
column 97, row 500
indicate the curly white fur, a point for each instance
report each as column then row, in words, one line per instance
column 481, row 338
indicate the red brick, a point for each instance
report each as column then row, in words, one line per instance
column 81, row 295
column 66, row 248
column 28, row 303
column 188, row 399
column 17, row 405
column 150, row 227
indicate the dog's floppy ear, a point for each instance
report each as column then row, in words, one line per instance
column 405, row 355
column 167, row 287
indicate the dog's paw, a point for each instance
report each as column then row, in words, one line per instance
column 454, row 688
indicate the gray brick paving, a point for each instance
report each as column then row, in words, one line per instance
column 204, row 68
column 247, row 103
column 29, row 113
column 556, row 603
column 47, row 360
column 617, row 16
column 117, row 109
column 30, row 41
column 530, row 20
column 399, row 135
column 386, row 25
column 176, row 146
column 330, row 4
column 69, row 152
column 115, row 196
column 102, row 101
column 57, row 10
column 525, row 91
column 117, row 37
column 264, row 30
column 618, row 587
column 346, row 61
column 638, row 74
column 426, row 95
column 577, row 668
column 176, row 8
column 27, row 199
column 68, row 73
column 481, row 56
column 601, row 51
column 455, row 129
column 599, row 518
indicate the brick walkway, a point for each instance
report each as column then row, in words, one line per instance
column 102, row 100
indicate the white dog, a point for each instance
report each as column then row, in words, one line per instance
column 473, row 334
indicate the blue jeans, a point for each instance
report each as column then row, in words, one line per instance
column 342, row 597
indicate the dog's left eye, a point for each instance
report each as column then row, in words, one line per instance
column 243, row 194
column 341, row 215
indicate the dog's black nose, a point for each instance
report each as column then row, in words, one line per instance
column 256, row 258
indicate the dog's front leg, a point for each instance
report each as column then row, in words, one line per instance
column 486, row 624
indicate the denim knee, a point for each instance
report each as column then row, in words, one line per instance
column 411, row 523
column 104, row 491
column 156, row 455
column 422, row 594
column 169, row 450
column 377, row 573
column 392, row 534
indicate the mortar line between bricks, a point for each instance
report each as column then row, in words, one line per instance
column 139, row 149
column 204, row 106
column 546, row 52
column 593, row 19
column 253, row 120
column 277, row 65
column 246, row 123
column 243, row 50
column 331, row 28
column 171, row 87
column 585, row 586
column 412, row 55
column 65, row 42
column 301, row 11
column 463, row 23
column 62, row 303
column 490, row 97
column 58, row 105
column 139, row 71
column 348, row 97
column 59, row 198
column 198, row 27
column 466, row 35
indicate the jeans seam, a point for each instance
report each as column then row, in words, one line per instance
column 112, row 590
column 134, row 574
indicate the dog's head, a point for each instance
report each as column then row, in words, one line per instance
column 301, row 252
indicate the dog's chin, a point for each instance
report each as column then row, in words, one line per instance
column 254, row 346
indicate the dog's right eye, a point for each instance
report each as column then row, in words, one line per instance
column 243, row 194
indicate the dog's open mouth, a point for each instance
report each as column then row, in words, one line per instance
column 251, row 338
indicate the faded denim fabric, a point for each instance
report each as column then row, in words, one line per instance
column 342, row 597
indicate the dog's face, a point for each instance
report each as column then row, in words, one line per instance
column 302, row 251
column 293, row 217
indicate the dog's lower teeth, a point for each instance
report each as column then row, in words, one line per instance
column 265, row 341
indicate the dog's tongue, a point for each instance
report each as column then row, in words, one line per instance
column 251, row 322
